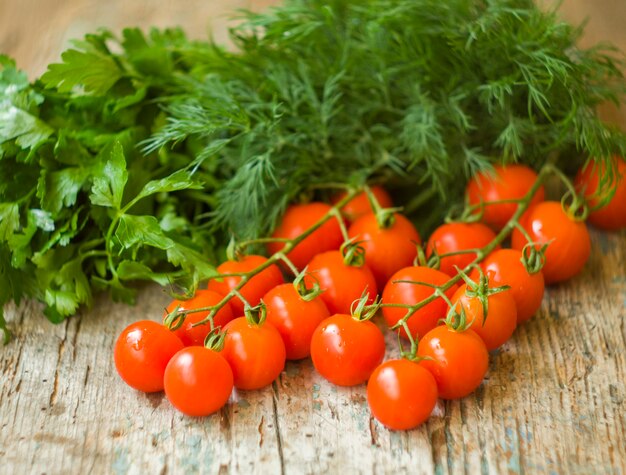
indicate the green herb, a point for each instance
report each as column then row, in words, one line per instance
column 140, row 165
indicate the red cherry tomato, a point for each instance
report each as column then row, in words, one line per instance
column 360, row 204
column 345, row 350
column 342, row 283
column 570, row 245
column 386, row 250
column 191, row 335
column 255, row 353
column 298, row 219
column 505, row 182
column 295, row 318
column 501, row 319
column 504, row 267
column 427, row 317
column 459, row 360
column 198, row 381
column 253, row 290
column 142, row 352
column 458, row 237
column 612, row 216
column 401, row 394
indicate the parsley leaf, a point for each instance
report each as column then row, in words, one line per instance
column 91, row 69
column 108, row 185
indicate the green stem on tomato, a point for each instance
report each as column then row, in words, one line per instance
column 274, row 258
column 482, row 252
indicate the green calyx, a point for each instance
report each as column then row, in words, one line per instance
column 534, row 256
column 481, row 290
column 465, row 213
column 255, row 315
column 307, row 294
column 457, row 320
column 175, row 319
column 411, row 354
column 364, row 311
column 575, row 206
column 384, row 216
column 353, row 253
column 215, row 339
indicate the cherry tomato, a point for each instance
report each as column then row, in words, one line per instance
column 295, row 318
column 569, row 247
column 360, row 204
column 255, row 353
column 427, row 317
column 342, row 283
column 198, row 381
column 345, row 350
column 387, row 250
column 458, row 237
column 254, row 289
column 612, row 216
column 189, row 334
column 142, row 352
column 459, row 360
column 298, row 219
column 501, row 319
column 401, row 394
column 505, row 182
column 504, row 267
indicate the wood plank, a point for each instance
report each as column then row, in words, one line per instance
column 554, row 401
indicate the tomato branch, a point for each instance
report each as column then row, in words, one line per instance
column 281, row 255
column 480, row 253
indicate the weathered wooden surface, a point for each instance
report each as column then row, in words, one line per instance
column 554, row 400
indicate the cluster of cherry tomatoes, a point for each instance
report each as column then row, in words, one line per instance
column 450, row 311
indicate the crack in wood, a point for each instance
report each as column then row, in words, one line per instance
column 79, row 322
column 55, row 384
column 260, row 430
column 86, row 378
column 277, row 428
column 373, row 435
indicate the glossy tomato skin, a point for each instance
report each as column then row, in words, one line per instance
column 501, row 319
column 401, row 394
column 459, row 360
column 427, row 317
column 299, row 218
column 458, row 237
column 345, row 351
column 198, row 381
column 504, row 267
column 342, row 284
column 570, row 247
column 256, row 288
column 142, row 352
column 255, row 353
column 612, row 216
column 386, row 250
column 360, row 204
column 191, row 335
column 295, row 318
column 506, row 182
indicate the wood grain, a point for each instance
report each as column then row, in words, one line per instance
column 554, row 400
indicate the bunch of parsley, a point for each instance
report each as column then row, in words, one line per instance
column 137, row 158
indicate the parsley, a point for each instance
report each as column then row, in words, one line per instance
column 137, row 157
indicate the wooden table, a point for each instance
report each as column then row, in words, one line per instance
column 554, row 400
